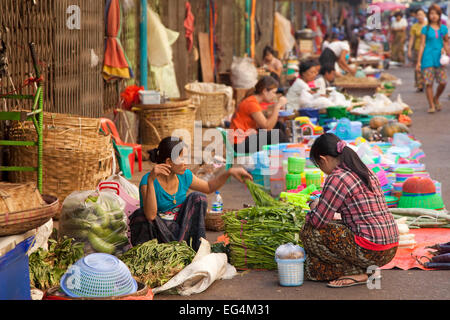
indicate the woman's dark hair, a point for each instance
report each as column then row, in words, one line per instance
column 420, row 9
column 165, row 149
column 326, row 145
column 326, row 69
column 434, row 7
column 269, row 49
column 398, row 13
column 266, row 82
column 307, row 64
column 354, row 44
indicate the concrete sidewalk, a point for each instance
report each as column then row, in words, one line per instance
column 434, row 133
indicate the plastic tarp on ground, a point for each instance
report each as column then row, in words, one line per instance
column 405, row 258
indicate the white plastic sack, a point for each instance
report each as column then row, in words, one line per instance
column 206, row 268
column 445, row 60
column 243, row 73
column 43, row 233
column 129, row 187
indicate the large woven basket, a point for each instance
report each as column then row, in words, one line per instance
column 74, row 157
column 18, row 222
column 19, row 197
column 159, row 121
column 211, row 105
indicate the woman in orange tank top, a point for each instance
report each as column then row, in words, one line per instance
column 251, row 129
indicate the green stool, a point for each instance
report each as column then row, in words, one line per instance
column 124, row 161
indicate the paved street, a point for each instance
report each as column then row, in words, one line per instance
column 434, row 132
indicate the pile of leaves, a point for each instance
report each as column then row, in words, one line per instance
column 47, row 267
column 156, row 263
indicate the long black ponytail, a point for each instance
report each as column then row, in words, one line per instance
column 327, row 145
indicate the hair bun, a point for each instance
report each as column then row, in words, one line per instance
column 153, row 154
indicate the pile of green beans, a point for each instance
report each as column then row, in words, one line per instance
column 156, row 263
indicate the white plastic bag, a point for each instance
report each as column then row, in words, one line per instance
column 129, row 187
column 445, row 60
column 243, row 73
column 96, row 218
column 289, row 251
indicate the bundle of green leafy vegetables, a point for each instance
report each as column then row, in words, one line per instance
column 47, row 267
column 156, row 263
column 255, row 233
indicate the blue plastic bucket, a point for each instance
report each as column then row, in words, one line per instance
column 15, row 273
column 291, row 271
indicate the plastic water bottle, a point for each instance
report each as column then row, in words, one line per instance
column 217, row 206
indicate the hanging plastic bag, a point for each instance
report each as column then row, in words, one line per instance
column 243, row 73
column 96, row 218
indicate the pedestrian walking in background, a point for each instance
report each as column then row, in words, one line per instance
column 398, row 37
column 414, row 46
column 434, row 40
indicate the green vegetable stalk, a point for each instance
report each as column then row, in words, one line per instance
column 155, row 264
column 47, row 267
column 255, row 233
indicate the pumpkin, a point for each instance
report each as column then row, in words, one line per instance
column 388, row 130
column 377, row 122
column 367, row 133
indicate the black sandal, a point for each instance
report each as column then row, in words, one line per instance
column 354, row 283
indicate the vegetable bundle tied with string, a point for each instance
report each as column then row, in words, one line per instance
column 255, row 233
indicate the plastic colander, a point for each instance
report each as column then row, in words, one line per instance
column 98, row 275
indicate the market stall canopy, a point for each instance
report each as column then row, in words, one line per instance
column 116, row 64
column 389, row 6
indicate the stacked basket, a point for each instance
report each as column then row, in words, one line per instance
column 420, row 193
column 162, row 120
column 211, row 100
column 76, row 156
column 22, row 208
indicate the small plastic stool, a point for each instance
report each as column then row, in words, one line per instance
column 124, row 159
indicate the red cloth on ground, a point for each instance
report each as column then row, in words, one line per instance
column 189, row 26
column 366, row 244
column 405, row 258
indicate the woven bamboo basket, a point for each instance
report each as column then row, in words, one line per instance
column 19, row 197
column 71, row 160
column 214, row 221
column 157, row 122
column 211, row 105
column 18, row 222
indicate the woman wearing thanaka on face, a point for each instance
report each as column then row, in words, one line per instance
column 167, row 212
column 434, row 42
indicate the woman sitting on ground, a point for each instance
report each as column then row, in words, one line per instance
column 167, row 213
column 251, row 129
column 340, row 251
column 300, row 88
column 326, row 78
column 271, row 63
